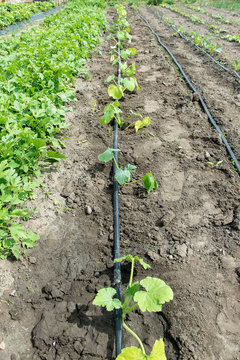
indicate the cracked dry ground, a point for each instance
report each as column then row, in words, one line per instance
column 187, row 230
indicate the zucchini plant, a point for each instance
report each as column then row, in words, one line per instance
column 123, row 174
column 151, row 299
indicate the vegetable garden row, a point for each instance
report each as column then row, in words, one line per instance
column 13, row 13
column 205, row 41
column 157, row 292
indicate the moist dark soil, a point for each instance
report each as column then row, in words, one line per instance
column 187, row 229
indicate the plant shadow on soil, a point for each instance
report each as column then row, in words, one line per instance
column 102, row 324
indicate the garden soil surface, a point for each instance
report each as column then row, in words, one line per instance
column 187, row 230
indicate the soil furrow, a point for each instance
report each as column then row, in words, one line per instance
column 219, row 90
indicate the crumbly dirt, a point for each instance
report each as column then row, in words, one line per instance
column 187, row 229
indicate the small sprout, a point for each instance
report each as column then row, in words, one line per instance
column 236, row 65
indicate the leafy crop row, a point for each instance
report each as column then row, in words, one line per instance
column 219, row 18
column 213, row 28
column 193, row 18
column 224, row 35
column 204, row 42
column 128, row 82
column 199, row 40
column 156, row 292
column 37, row 71
column 13, row 13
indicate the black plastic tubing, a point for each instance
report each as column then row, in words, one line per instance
column 117, row 265
column 204, row 106
column 234, row 73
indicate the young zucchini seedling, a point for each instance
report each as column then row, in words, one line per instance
column 123, row 175
column 151, row 299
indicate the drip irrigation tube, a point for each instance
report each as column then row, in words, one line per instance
column 233, row 73
column 204, row 106
column 117, row 265
column 33, row 18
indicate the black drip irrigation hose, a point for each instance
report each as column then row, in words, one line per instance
column 233, row 73
column 204, row 106
column 117, row 265
column 33, row 18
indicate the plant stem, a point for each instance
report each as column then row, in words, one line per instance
column 115, row 162
column 133, row 182
column 129, row 298
column 130, row 125
column 134, row 335
column 132, row 308
column 131, row 274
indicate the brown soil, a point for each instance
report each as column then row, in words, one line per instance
column 187, row 229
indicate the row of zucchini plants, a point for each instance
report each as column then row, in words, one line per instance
column 155, row 292
column 217, row 17
column 116, row 92
column 191, row 17
column 212, row 27
column 37, row 71
column 13, row 13
column 202, row 41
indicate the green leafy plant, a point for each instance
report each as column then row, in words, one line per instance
column 111, row 111
column 139, row 124
column 149, row 294
column 123, row 174
column 236, row 64
column 13, row 13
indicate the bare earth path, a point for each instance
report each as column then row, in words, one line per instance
column 187, row 230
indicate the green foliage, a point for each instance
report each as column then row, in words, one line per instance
column 191, row 17
column 155, row 2
column 134, row 353
column 133, row 259
column 111, row 111
column 205, row 42
column 13, row 13
column 105, row 298
column 123, row 175
column 236, row 64
column 149, row 182
column 36, row 70
column 222, row 4
column 156, row 294
column 115, row 91
column 107, row 155
column 139, row 124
